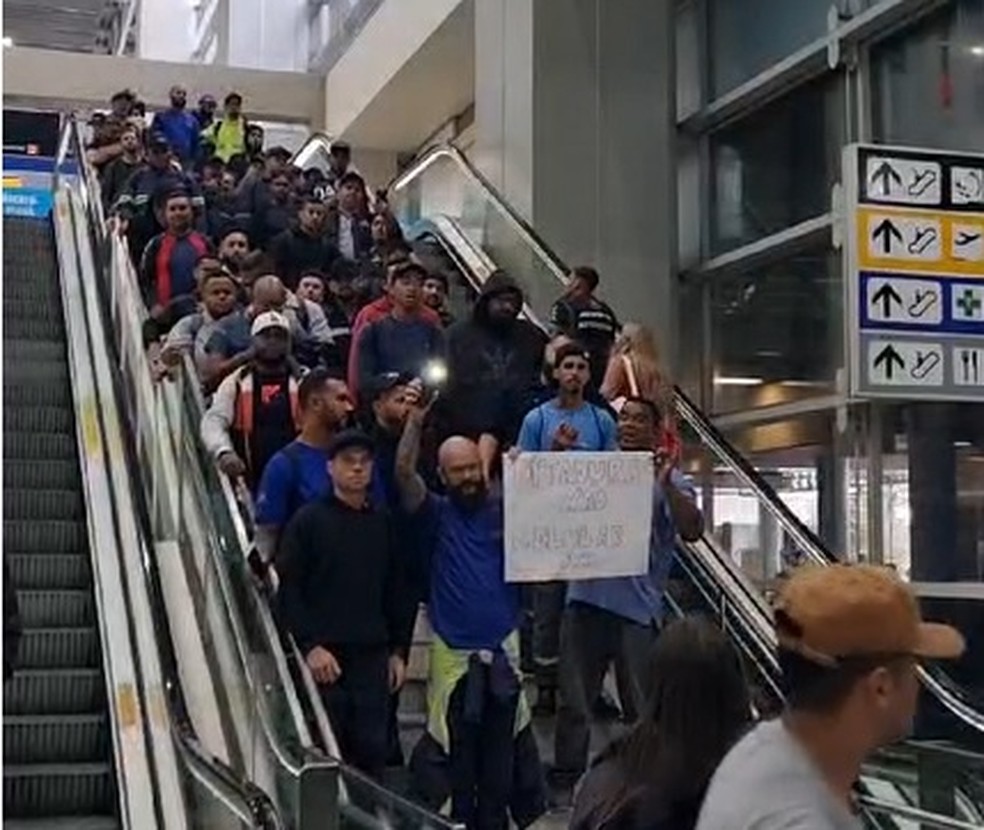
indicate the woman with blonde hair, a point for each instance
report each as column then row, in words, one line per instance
column 634, row 371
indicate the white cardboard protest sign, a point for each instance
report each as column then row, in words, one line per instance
column 577, row 515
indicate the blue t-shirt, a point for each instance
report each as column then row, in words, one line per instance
column 595, row 427
column 471, row 604
column 294, row 476
column 639, row 598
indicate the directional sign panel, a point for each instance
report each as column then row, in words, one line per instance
column 914, row 262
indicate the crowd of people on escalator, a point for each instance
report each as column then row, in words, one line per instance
column 367, row 403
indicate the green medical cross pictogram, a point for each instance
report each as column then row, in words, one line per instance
column 969, row 303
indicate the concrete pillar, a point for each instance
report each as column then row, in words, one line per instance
column 574, row 104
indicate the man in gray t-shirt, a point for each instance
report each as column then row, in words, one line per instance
column 768, row 782
column 849, row 640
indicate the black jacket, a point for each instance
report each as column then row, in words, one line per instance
column 493, row 371
column 342, row 579
column 295, row 252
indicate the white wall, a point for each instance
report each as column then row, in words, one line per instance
column 72, row 79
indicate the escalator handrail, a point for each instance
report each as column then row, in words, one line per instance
column 242, row 797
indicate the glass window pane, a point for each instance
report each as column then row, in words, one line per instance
column 929, row 81
column 776, row 167
column 748, row 36
column 776, row 331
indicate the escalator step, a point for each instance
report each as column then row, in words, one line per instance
column 14, row 309
column 27, row 445
column 35, row 394
column 36, row 290
column 58, row 739
column 29, row 329
column 46, row 537
column 43, row 505
column 49, row 571
column 17, row 350
column 34, row 372
column 41, row 475
column 64, row 823
column 54, row 691
column 57, row 789
column 55, row 609
column 59, row 647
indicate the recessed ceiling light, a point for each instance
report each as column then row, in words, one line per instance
column 7, row 42
column 977, row 51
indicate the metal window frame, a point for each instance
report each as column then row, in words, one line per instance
column 807, row 63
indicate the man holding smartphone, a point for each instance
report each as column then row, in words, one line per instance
column 617, row 620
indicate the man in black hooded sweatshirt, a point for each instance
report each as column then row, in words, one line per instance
column 494, row 363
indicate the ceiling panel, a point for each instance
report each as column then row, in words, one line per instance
column 70, row 25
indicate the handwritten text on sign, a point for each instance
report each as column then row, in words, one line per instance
column 578, row 515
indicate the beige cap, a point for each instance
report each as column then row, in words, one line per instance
column 837, row 611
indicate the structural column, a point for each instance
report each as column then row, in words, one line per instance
column 574, row 117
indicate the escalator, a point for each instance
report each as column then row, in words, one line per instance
column 98, row 731
column 58, row 760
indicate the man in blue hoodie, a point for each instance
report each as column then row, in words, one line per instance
column 179, row 127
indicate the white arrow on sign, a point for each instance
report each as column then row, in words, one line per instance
column 905, row 363
column 896, row 236
column 905, row 181
column 901, row 300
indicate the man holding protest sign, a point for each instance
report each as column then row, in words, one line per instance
column 566, row 422
column 478, row 747
column 617, row 620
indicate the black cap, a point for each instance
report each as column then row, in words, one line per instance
column 381, row 384
column 351, row 176
column 159, row 144
column 347, row 439
column 278, row 152
column 340, row 147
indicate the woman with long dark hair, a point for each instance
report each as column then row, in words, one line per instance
column 655, row 777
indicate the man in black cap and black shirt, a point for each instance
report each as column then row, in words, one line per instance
column 343, row 596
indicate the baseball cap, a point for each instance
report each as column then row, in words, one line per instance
column 269, row 320
column 347, row 439
column 353, row 177
column 159, row 144
column 383, row 383
column 828, row 613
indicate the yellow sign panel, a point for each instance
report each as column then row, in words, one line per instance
column 12, row 182
column 939, row 242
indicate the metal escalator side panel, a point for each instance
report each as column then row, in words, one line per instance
column 232, row 796
column 137, row 804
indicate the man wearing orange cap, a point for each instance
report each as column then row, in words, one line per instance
column 849, row 638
